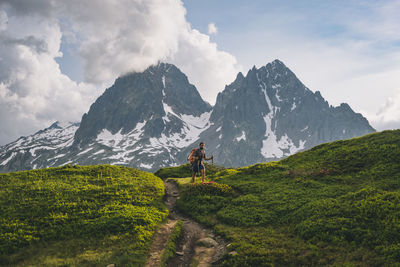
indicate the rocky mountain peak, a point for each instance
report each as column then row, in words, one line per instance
column 269, row 114
column 155, row 96
column 152, row 119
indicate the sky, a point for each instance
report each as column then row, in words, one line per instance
column 57, row 57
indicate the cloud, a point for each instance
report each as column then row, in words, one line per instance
column 3, row 20
column 207, row 67
column 30, row 41
column 111, row 37
column 33, row 91
column 212, row 29
column 382, row 24
column 124, row 36
column 388, row 115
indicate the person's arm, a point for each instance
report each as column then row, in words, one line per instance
column 208, row 158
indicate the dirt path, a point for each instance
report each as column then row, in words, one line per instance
column 198, row 245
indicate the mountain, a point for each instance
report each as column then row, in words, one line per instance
column 269, row 114
column 143, row 120
column 152, row 119
column 158, row 97
column 42, row 149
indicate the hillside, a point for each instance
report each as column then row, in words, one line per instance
column 336, row 204
column 79, row 216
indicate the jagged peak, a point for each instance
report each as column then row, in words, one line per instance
column 346, row 107
column 161, row 68
column 272, row 66
column 276, row 64
column 239, row 76
column 62, row 124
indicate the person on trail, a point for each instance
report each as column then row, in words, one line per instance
column 198, row 164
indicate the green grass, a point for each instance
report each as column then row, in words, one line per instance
column 337, row 204
column 185, row 170
column 170, row 248
column 79, row 216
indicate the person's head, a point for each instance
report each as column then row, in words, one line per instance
column 201, row 145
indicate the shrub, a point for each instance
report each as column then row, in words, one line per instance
column 210, row 188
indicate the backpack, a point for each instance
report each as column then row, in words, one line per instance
column 191, row 156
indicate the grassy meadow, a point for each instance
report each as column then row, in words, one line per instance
column 337, row 204
column 79, row 216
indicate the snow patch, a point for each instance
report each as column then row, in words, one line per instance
column 98, row 152
column 305, row 128
column 274, row 148
column 163, row 81
column 195, row 126
column 58, row 156
column 192, row 128
column 145, row 166
column 13, row 154
column 277, row 96
column 264, row 90
column 33, row 150
column 64, row 124
column 271, row 146
column 242, row 137
column 109, row 139
column 119, row 140
column 168, row 110
column 85, row 151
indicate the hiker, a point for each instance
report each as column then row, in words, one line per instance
column 199, row 156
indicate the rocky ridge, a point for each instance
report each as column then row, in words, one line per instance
column 152, row 119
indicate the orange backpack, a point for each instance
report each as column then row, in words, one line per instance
column 191, row 156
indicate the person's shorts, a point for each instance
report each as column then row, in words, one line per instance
column 197, row 167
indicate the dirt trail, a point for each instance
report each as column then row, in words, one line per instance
column 198, row 244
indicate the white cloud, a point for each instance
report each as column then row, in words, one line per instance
column 382, row 24
column 3, row 20
column 206, row 66
column 113, row 38
column 33, row 91
column 212, row 29
column 122, row 36
column 388, row 115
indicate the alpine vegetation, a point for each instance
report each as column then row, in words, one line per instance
column 337, row 204
column 79, row 216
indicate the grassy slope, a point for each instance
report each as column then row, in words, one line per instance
column 185, row 170
column 78, row 216
column 336, row 204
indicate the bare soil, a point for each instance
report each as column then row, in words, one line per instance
column 198, row 246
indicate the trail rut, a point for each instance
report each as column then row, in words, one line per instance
column 198, row 245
